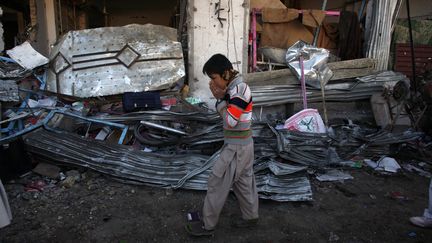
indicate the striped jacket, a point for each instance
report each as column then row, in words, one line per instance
column 236, row 111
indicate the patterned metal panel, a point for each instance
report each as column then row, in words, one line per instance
column 114, row 60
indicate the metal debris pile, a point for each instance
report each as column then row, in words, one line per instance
column 174, row 147
column 343, row 90
column 183, row 159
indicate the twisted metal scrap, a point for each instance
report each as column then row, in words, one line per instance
column 189, row 171
column 275, row 180
column 353, row 140
column 309, row 149
column 315, row 149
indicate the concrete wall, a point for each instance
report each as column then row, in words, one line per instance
column 207, row 37
column 142, row 16
column 47, row 30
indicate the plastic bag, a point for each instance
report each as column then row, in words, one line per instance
column 307, row 120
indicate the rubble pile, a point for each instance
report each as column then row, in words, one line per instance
column 165, row 141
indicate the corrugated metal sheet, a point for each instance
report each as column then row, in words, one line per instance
column 188, row 171
column 423, row 59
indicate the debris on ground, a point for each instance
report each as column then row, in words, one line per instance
column 93, row 145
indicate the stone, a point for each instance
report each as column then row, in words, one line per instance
column 68, row 182
column 168, row 192
column 26, row 196
column 47, row 170
column 75, row 174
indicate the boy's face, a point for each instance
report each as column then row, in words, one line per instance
column 218, row 81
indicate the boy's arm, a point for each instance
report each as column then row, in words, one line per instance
column 221, row 105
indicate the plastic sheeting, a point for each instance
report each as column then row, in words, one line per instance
column 316, row 71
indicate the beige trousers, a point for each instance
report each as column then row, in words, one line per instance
column 5, row 212
column 234, row 168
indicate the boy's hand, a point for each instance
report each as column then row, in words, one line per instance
column 217, row 92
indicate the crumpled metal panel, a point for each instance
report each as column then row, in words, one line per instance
column 10, row 70
column 316, row 70
column 342, row 143
column 312, row 149
column 114, row 60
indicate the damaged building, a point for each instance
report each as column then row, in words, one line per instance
column 109, row 99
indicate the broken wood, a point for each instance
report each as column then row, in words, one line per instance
column 352, row 68
column 341, row 70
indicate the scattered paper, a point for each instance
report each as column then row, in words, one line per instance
column 26, row 56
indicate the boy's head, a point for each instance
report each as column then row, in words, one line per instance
column 218, row 68
column 217, row 64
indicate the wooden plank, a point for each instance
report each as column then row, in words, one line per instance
column 355, row 63
column 351, row 73
column 341, row 70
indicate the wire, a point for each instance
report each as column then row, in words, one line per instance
column 234, row 35
column 228, row 29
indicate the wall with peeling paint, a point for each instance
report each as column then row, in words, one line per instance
column 208, row 36
column 47, row 29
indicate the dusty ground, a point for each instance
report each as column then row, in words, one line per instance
column 98, row 209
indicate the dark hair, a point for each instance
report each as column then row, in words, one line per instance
column 217, row 64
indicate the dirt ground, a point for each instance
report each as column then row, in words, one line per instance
column 99, row 209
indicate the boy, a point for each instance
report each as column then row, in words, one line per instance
column 234, row 167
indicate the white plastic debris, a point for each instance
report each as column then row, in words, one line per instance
column 26, row 56
column 307, row 120
column 387, row 164
column 148, row 150
column 371, row 163
column 43, row 103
